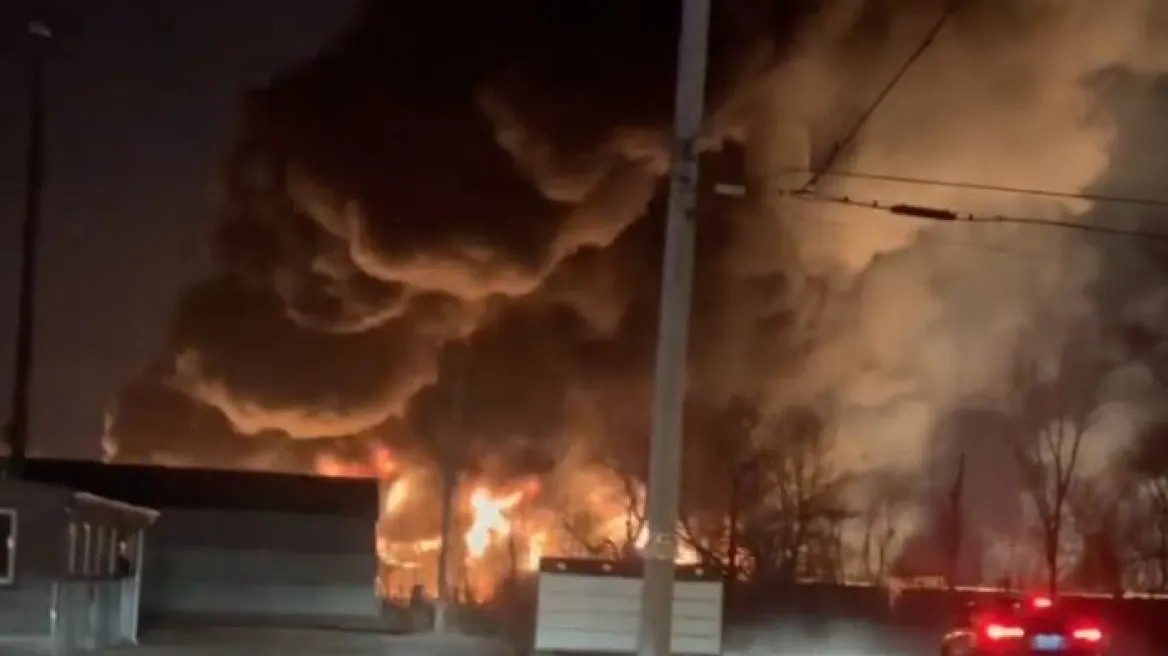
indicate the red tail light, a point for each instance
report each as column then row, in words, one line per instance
column 1087, row 634
column 1003, row 632
column 1041, row 602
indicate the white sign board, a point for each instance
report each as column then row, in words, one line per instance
column 594, row 606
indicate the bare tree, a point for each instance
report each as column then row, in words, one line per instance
column 1148, row 464
column 744, row 482
column 585, row 530
column 594, row 535
column 723, row 470
column 890, row 496
column 1155, row 537
column 801, row 507
column 1051, row 409
column 1097, row 509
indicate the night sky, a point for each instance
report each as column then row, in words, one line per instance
column 142, row 100
column 412, row 206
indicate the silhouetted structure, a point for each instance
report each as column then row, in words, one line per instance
column 38, row 33
column 71, row 567
column 245, row 547
column 955, row 525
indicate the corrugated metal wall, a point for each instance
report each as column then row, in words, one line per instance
column 284, row 567
column 24, row 611
column 24, row 606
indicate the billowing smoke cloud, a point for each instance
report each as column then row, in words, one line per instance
column 455, row 215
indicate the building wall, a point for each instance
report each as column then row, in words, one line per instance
column 24, row 606
column 300, row 569
column 24, row 611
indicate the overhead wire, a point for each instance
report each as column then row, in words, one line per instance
column 927, row 213
column 913, row 211
column 977, row 186
column 924, row 213
column 807, row 191
column 944, row 239
column 862, row 120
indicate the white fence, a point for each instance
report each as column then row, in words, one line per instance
column 594, row 606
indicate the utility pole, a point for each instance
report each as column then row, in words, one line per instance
column 656, row 622
column 956, row 525
column 442, row 599
column 450, row 475
column 39, row 33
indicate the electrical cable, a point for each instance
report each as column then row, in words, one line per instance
column 805, row 192
column 1029, row 254
column 926, row 213
column 837, row 149
column 975, row 186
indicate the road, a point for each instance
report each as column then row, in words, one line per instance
column 236, row 641
column 820, row 637
column 816, row 637
column 787, row 637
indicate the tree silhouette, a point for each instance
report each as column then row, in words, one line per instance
column 801, row 513
column 890, row 496
column 591, row 534
column 723, row 472
column 1052, row 405
column 1097, row 511
column 1148, row 462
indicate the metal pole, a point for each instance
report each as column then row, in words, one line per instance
column 442, row 598
column 135, row 610
column 34, row 164
column 450, row 471
column 672, row 335
column 956, row 526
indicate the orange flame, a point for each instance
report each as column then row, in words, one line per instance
column 379, row 463
column 503, row 530
column 686, row 555
column 332, row 466
column 535, row 550
column 396, row 495
column 489, row 520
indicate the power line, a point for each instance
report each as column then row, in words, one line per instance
column 837, row 150
column 941, row 238
column 975, row 186
column 1013, row 251
column 926, row 213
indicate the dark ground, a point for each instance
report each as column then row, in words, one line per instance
column 807, row 620
column 786, row 637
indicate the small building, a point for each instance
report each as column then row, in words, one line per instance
column 71, row 563
column 587, row 606
column 245, row 547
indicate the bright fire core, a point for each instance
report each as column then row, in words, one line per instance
column 504, row 529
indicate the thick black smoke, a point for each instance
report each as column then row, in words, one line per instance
column 449, row 223
column 479, row 174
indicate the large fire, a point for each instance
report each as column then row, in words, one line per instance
column 504, row 528
column 489, row 521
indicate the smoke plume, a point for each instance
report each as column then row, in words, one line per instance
column 450, row 221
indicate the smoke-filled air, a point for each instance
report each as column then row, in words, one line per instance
column 439, row 241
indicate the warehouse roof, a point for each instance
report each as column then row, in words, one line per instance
column 211, row 489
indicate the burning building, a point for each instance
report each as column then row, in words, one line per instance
column 502, row 526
